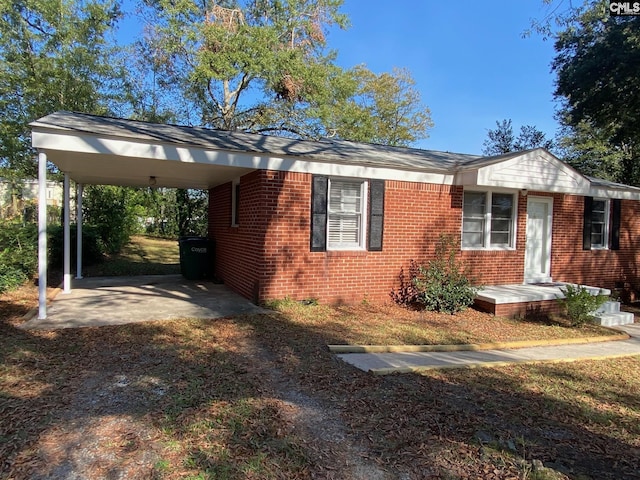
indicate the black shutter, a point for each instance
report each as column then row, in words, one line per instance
column 376, row 214
column 319, row 191
column 586, row 228
column 236, row 218
column 615, row 223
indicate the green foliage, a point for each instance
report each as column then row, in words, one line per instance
column 580, row 304
column 593, row 152
column 502, row 139
column 385, row 109
column 109, row 210
column 597, row 64
column 93, row 249
column 172, row 213
column 18, row 253
column 53, row 56
column 444, row 284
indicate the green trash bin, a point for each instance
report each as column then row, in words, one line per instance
column 196, row 257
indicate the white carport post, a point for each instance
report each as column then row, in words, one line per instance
column 67, row 235
column 42, row 236
column 79, row 190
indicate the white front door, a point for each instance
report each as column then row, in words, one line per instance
column 537, row 257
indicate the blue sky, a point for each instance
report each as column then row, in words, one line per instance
column 469, row 60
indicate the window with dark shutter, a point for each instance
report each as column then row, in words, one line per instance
column 346, row 214
column 597, row 231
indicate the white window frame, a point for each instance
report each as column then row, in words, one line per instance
column 605, row 227
column 486, row 231
column 234, row 201
column 364, row 200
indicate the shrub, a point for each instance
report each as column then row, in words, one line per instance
column 18, row 253
column 11, row 277
column 108, row 209
column 580, row 304
column 407, row 294
column 443, row 285
column 93, row 249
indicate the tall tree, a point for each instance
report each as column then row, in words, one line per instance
column 385, row 109
column 54, row 55
column 502, row 140
column 598, row 84
column 592, row 152
column 264, row 66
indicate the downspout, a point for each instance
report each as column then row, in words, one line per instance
column 67, row 235
column 42, row 236
column 79, row 190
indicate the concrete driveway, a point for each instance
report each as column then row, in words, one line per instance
column 118, row 300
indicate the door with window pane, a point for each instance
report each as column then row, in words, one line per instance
column 538, row 247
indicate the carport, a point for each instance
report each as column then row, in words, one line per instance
column 97, row 150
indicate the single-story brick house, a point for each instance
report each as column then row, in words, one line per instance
column 336, row 220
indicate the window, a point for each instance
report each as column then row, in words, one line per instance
column 488, row 220
column 346, row 214
column 601, row 229
column 345, row 222
column 599, row 224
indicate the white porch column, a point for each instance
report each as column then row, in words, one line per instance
column 67, row 235
column 42, row 236
column 79, row 190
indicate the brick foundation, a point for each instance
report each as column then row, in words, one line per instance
column 538, row 309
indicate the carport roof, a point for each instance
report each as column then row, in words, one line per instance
column 53, row 134
column 323, row 150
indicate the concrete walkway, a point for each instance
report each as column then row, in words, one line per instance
column 103, row 301
column 405, row 362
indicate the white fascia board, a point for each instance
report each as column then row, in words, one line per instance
column 83, row 143
column 604, row 192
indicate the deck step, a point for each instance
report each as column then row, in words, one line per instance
column 608, row 307
column 613, row 319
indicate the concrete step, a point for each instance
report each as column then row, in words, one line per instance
column 613, row 319
column 608, row 307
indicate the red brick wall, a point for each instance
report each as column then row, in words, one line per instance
column 600, row 268
column 239, row 250
column 268, row 255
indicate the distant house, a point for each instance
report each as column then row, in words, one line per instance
column 337, row 220
column 15, row 196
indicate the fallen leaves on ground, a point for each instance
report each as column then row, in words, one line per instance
column 233, row 398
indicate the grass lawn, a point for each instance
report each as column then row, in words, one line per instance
column 142, row 256
column 260, row 397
